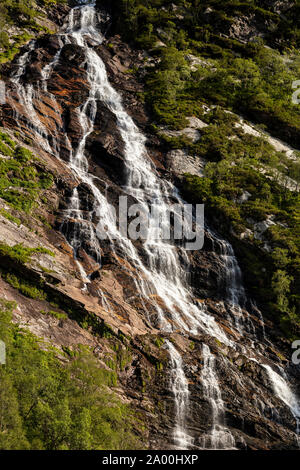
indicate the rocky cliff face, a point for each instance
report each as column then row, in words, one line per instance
column 106, row 309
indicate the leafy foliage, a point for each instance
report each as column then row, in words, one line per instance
column 54, row 314
column 246, row 77
column 21, row 182
column 21, row 253
column 49, row 406
column 24, row 15
column 277, row 289
column 10, row 217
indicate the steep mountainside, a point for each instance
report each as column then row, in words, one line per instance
column 149, row 345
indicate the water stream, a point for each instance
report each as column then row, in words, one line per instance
column 180, row 389
column 219, row 437
column 163, row 274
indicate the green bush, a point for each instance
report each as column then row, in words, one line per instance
column 57, row 315
column 219, row 190
column 21, row 181
column 10, row 217
column 23, row 15
column 50, row 406
column 26, row 288
column 22, row 253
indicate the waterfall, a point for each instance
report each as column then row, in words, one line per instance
column 180, row 389
column 235, row 290
column 27, row 95
column 163, row 273
column 219, row 437
column 283, row 391
column 236, row 295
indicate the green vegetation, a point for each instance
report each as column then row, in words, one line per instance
column 22, row 253
column 29, row 289
column 120, row 358
column 10, row 50
column 166, row 89
column 21, row 181
column 15, row 273
column 248, row 78
column 158, row 341
column 10, row 217
column 186, row 20
column 46, row 405
column 23, row 15
column 274, row 276
column 57, row 315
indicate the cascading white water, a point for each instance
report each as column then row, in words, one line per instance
column 284, row 392
column 105, row 302
column 236, row 295
column 163, row 274
column 26, row 94
column 180, row 389
column 219, row 436
column 47, row 70
column 235, row 289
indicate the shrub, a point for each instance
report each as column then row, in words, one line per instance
column 22, row 253
column 21, row 181
column 26, row 288
column 10, row 217
column 58, row 315
column 55, row 406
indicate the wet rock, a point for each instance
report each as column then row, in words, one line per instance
column 86, row 197
column 105, row 144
